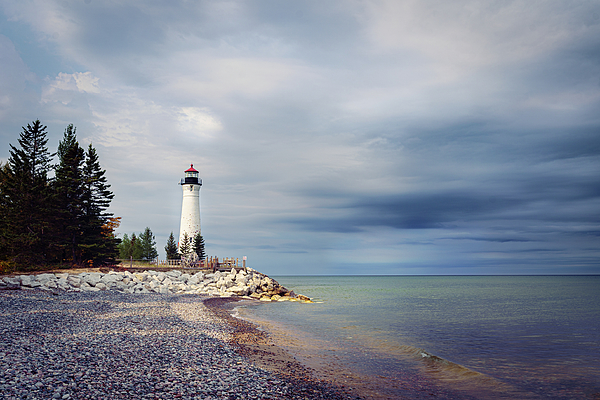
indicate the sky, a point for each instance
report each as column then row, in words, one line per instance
column 333, row 137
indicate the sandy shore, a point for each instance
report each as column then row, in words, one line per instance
column 108, row 345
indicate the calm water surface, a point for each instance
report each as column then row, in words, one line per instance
column 484, row 337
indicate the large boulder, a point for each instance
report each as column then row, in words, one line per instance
column 29, row 281
column 92, row 278
column 140, row 277
column 195, row 279
column 74, row 281
column 108, row 278
column 50, row 284
column 239, row 290
column 173, row 274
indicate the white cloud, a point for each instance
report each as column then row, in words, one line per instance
column 198, row 122
column 86, row 82
column 65, row 86
column 458, row 37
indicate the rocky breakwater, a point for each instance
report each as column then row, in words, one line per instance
column 244, row 283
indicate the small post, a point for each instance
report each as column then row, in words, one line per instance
column 130, row 261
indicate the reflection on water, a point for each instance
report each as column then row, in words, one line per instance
column 473, row 337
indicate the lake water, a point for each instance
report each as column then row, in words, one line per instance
column 469, row 337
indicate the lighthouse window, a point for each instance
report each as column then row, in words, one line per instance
column 191, row 187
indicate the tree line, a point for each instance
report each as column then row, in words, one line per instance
column 60, row 219
column 143, row 247
column 140, row 247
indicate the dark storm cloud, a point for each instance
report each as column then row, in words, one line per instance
column 412, row 211
column 465, row 134
column 570, row 143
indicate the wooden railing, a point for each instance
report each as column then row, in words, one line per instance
column 211, row 263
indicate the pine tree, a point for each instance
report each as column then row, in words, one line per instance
column 199, row 246
column 148, row 245
column 100, row 247
column 185, row 247
column 69, row 192
column 171, row 248
column 26, row 220
column 136, row 247
column 125, row 247
column 4, row 171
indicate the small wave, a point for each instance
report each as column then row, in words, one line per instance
column 450, row 372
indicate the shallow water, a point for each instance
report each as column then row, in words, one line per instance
column 483, row 337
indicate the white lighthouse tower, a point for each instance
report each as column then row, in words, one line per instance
column 190, row 206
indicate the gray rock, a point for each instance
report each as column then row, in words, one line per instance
column 93, row 278
column 50, row 284
column 12, row 280
column 108, row 278
column 174, row 273
column 74, row 281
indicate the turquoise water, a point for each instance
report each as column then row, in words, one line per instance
column 481, row 337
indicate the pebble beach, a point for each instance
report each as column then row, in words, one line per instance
column 115, row 345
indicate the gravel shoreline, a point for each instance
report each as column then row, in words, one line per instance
column 108, row 345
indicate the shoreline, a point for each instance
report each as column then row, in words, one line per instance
column 108, row 344
column 327, row 361
column 256, row 346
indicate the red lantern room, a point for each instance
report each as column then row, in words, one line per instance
column 191, row 177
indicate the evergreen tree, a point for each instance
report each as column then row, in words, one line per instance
column 136, row 248
column 148, row 245
column 185, row 247
column 60, row 219
column 69, row 192
column 125, row 247
column 4, row 171
column 199, row 246
column 26, row 220
column 100, row 244
column 171, row 248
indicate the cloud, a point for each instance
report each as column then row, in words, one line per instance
column 15, row 78
column 64, row 87
column 415, row 133
column 197, row 121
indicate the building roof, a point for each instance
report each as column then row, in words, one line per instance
column 191, row 169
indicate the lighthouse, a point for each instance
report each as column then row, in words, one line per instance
column 190, row 206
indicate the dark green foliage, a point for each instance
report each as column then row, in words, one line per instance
column 136, row 247
column 56, row 220
column 4, row 171
column 132, row 247
column 199, row 246
column 185, row 247
column 171, row 248
column 69, row 192
column 124, row 247
column 99, row 244
column 148, row 245
column 26, row 220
